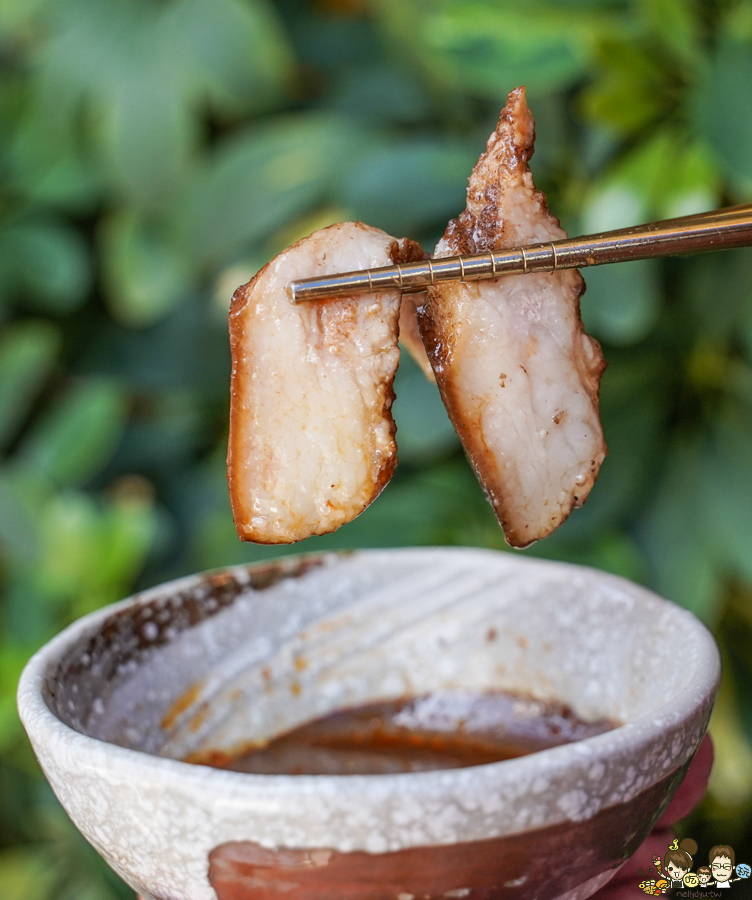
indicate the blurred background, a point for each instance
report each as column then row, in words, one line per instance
column 155, row 153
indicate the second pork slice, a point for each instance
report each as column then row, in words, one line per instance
column 517, row 373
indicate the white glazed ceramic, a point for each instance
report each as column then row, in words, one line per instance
column 215, row 661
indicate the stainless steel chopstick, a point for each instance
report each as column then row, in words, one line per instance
column 716, row 230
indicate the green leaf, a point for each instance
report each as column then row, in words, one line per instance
column 26, row 873
column 409, row 186
column 22, row 495
column 69, row 530
column 13, row 657
column 126, row 532
column 77, row 436
column 727, row 484
column 130, row 72
column 423, row 427
column 148, row 132
column 17, row 16
column 380, row 92
column 145, row 274
column 716, row 288
column 240, row 57
column 724, row 112
column 675, row 537
column 260, row 180
column 626, row 91
column 489, row 50
column 622, row 302
column 49, row 263
column 667, row 175
column 611, row 551
column 46, row 159
column 676, row 23
column 27, row 352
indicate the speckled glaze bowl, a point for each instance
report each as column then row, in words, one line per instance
column 214, row 661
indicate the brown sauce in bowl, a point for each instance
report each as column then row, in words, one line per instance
column 447, row 730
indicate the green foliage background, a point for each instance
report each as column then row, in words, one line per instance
column 155, row 153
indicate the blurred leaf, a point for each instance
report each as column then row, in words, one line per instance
column 49, row 157
column 490, row 48
column 260, row 180
column 13, row 658
column 613, row 204
column 677, row 24
column 423, row 427
column 717, row 288
column 27, row 352
column 731, row 778
column 662, row 177
column 676, row 538
column 123, row 61
column 46, row 159
column 621, row 303
column 611, row 551
column 725, row 116
column 48, row 262
column 75, row 438
column 16, row 16
column 126, row 534
column 379, row 93
column 727, row 484
column 186, row 353
column 26, row 873
column 21, row 496
column 625, row 93
column 239, row 52
column 69, row 532
column 149, row 131
column 146, row 275
column 409, row 186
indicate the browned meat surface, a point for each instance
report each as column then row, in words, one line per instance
column 311, row 431
column 409, row 335
column 518, row 374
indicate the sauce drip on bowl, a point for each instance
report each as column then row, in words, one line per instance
column 437, row 731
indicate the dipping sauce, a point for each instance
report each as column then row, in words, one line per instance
column 438, row 731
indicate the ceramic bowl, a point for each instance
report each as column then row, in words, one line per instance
column 216, row 661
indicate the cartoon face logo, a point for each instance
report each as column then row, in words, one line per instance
column 722, row 868
column 691, row 880
column 677, row 872
column 743, row 870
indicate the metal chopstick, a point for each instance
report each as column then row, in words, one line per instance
column 715, row 230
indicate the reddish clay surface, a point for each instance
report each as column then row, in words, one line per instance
column 544, row 863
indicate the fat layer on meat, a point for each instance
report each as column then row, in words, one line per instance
column 517, row 373
column 311, row 431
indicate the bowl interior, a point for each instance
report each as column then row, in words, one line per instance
column 220, row 661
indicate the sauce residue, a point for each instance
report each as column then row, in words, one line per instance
column 446, row 730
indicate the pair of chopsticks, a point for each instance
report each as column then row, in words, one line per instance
column 715, row 230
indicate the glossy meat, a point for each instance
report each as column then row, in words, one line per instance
column 311, row 432
column 518, row 374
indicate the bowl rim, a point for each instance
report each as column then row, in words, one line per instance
column 43, row 725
